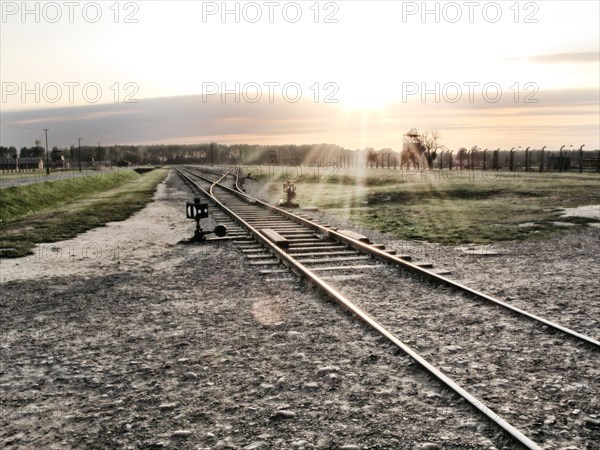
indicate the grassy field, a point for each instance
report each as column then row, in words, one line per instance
column 53, row 211
column 450, row 207
column 40, row 175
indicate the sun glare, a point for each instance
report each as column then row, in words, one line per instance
column 363, row 103
column 356, row 93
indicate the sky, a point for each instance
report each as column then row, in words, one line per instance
column 353, row 73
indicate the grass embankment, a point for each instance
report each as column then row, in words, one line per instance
column 53, row 211
column 451, row 209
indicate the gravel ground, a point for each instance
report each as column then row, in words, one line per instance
column 124, row 338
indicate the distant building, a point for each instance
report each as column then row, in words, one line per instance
column 16, row 164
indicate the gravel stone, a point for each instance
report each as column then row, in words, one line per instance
column 591, row 423
column 181, row 434
column 325, row 370
column 283, row 414
column 301, row 445
column 255, row 445
column 430, row 446
column 167, row 406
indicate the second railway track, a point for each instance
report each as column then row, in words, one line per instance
column 525, row 352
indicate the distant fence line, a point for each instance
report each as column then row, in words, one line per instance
column 527, row 160
column 29, row 164
column 542, row 160
column 508, row 160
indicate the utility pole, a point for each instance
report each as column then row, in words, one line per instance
column 79, row 153
column 47, row 153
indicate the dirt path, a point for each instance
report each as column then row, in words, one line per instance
column 120, row 246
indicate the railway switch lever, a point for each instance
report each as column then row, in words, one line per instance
column 196, row 211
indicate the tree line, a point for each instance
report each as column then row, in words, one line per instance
column 424, row 149
column 189, row 153
column 215, row 153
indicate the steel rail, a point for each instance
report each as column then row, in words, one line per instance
column 386, row 257
column 362, row 315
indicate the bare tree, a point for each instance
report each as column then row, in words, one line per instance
column 410, row 157
column 425, row 144
column 371, row 156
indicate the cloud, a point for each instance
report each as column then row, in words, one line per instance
column 191, row 119
column 531, row 99
column 564, row 58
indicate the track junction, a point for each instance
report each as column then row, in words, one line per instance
column 278, row 241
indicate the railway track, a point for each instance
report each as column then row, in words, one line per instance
column 271, row 237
